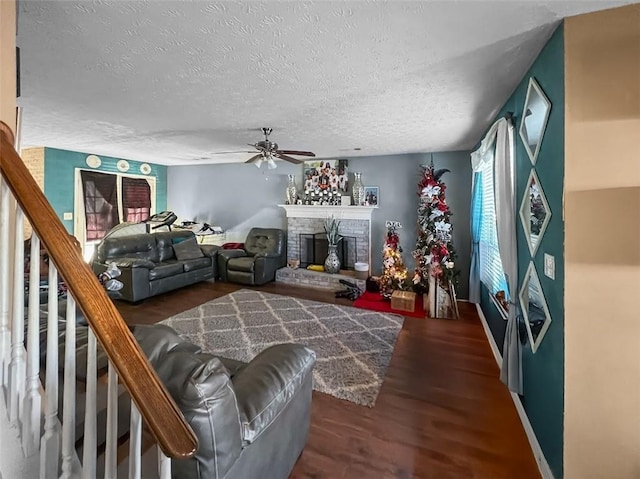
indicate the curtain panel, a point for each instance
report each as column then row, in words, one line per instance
column 505, row 195
column 100, row 198
column 498, row 147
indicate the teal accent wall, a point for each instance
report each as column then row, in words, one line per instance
column 59, row 174
column 543, row 372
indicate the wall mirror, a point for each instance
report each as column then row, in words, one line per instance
column 534, row 307
column 534, row 119
column 534, row 212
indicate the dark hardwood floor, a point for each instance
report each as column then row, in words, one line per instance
column 442, row 411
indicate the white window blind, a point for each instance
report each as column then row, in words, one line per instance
column 491, row 271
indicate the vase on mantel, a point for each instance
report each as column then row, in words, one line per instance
column 291, row 191
column 332, row 263
column 358, row 190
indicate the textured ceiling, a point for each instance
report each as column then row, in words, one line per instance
column 172, row 82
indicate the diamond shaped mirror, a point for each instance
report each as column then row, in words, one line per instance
column 534, row 212
column 534, row 307
column 534, row 119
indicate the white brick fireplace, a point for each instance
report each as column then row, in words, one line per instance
column 355, row 222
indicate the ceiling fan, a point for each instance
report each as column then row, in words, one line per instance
column 268, row 151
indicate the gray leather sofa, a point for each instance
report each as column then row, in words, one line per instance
column 149, row 264
column 251, row 420
column 265, row 251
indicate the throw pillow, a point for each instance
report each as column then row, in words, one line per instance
column 187, row 249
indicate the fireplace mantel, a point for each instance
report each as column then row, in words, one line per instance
column 319, row 211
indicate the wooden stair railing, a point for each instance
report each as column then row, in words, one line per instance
column 161, row 414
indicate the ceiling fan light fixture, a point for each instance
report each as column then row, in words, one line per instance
column 258, row 162
column 271, row 164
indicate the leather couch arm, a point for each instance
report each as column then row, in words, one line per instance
column 266, row 265
column 268, row 255
column 224, row 255
column 210, row 250
column 268, row 383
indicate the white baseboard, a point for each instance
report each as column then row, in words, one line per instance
column 543, row 465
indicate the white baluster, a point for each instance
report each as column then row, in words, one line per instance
column 110, row 457
column 5, row 333
column 17, row 364
column 135, row 443
column 50, row 444
column 89, row 437
column 33, row 400
column 164, row 465
column 69, row 401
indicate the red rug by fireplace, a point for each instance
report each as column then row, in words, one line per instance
column 374, row 302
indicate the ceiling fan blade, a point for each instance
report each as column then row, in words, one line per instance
column 253, row 158
column 230, row 152
column 293, row 152
column 278, row 154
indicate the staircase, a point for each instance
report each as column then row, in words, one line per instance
column 53, row 390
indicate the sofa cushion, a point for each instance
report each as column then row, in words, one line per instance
column 241, row 264
column 198, row 263
column 200, row 385
column 187, row 249
column 265, row 240
column 164, row 270
column 166, row 239
column 141, row 246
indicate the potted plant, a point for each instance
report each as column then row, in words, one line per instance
column 331, row 228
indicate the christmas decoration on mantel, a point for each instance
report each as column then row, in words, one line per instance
column 394, row 274
column 434, row 254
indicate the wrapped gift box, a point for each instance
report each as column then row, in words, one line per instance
column 403, row 301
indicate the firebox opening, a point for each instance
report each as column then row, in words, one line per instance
column 314, row 249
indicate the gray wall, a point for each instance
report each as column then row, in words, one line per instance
column 238, row 197
column 397, row 176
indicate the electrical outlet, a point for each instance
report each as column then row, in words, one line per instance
column 67, row 216
column 549, row 266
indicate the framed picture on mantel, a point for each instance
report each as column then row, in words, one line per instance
column 372, row 196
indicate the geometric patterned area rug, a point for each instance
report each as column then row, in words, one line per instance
column 353, row 346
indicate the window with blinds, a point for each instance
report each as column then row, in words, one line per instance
column 136, row 199
column 491, row 271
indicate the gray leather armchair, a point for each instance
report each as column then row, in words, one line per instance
column 264, row 252
column 251, row 419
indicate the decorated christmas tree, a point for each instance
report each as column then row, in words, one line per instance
column 434, row 253
column 394, row 274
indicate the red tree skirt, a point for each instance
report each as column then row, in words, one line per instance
column 374, row 302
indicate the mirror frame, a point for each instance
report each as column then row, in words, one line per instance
column 534, row 88
column 525, row 213
column 531, row 271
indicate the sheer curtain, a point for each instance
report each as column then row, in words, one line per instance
column 505, row 194
column 497, row 153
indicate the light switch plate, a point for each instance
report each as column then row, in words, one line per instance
column 549, row 266
column 67, row 216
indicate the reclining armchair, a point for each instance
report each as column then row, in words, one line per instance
column 264, row 252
